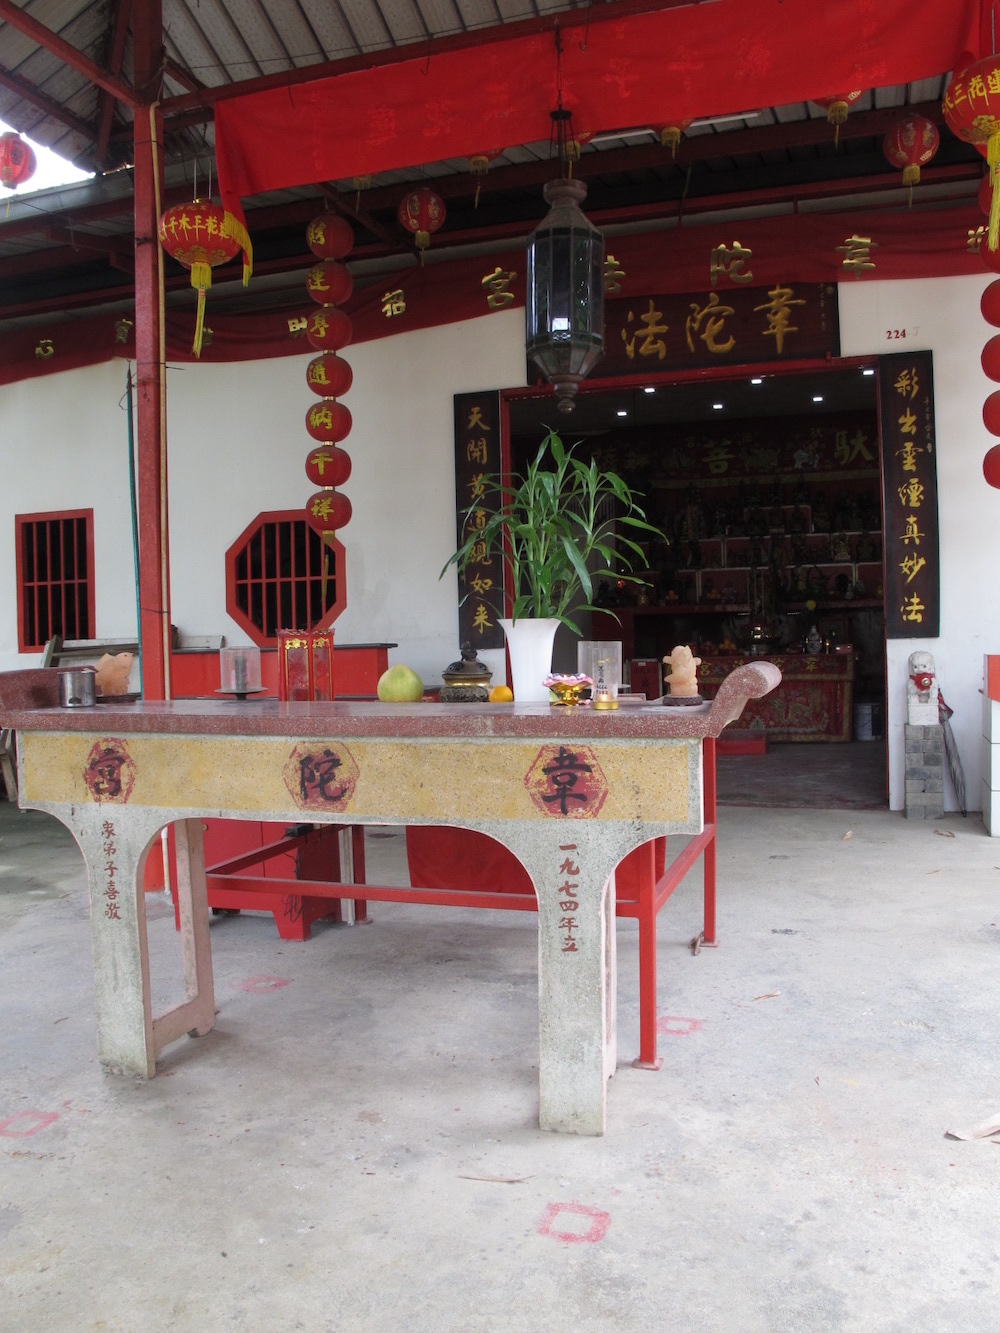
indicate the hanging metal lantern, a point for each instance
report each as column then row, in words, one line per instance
column 910, row 144
column 565, row 292
column 422, row 212
column 201, row 236
column 17, row 160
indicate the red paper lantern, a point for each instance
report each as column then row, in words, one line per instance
column 329, row 236
column 991, row 413
column 422, row 212
column 328, row 421
column 328, row 329
column 670, row 134
column 201, row 235
column 910, row 144
column 971, row 109
column 990, row 358
column 329, row 375
column 329, row 510
column 328, row 466
column 329, row 283
column 989, row 304
column 17, row 160
column 837, row 108
column 991, row 466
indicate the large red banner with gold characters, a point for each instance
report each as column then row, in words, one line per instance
column 909, row 471
column 477, row 457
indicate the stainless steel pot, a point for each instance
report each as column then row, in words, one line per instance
column 77, row 687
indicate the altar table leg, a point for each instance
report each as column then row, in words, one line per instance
column 577, row 1038
column 129, row 1037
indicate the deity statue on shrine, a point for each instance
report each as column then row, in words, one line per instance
column 682, row 681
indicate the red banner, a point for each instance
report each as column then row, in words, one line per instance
column 613, row 72
column 773, row 253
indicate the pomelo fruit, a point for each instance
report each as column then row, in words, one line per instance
column 399, row 685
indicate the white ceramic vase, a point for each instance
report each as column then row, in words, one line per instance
column 529, row 643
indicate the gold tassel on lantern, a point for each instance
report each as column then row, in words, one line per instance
column 201, row 280
column 993, row 161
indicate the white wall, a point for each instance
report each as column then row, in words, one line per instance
column 943, row 316
column 237, row 445
column 64, row 445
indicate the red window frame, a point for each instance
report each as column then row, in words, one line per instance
column 274, row 577
column 55, row 577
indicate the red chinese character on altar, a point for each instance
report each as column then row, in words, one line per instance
column 321, row 777
column 567, row 782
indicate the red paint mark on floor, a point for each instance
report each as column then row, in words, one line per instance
column 263, row 985
column 25, row 1123
column 597, row 1230
column 670, row 1025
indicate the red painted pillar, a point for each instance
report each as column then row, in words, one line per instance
column 151, row 411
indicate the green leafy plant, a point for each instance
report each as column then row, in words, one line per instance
column 552, row 524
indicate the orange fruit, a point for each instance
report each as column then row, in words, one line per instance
column 501, row 694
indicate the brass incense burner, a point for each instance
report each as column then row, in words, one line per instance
column 466, row 681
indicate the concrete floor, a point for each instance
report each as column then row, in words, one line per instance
column 354, row 1147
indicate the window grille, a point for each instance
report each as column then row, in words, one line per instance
column 55, row 577
column 275, row 577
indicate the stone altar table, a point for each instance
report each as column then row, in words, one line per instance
column 569, row 790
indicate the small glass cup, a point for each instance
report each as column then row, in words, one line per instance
column 601, row 660
column 239, row 670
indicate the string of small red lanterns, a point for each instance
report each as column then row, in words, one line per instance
column 17, row 160
column 329, row 330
